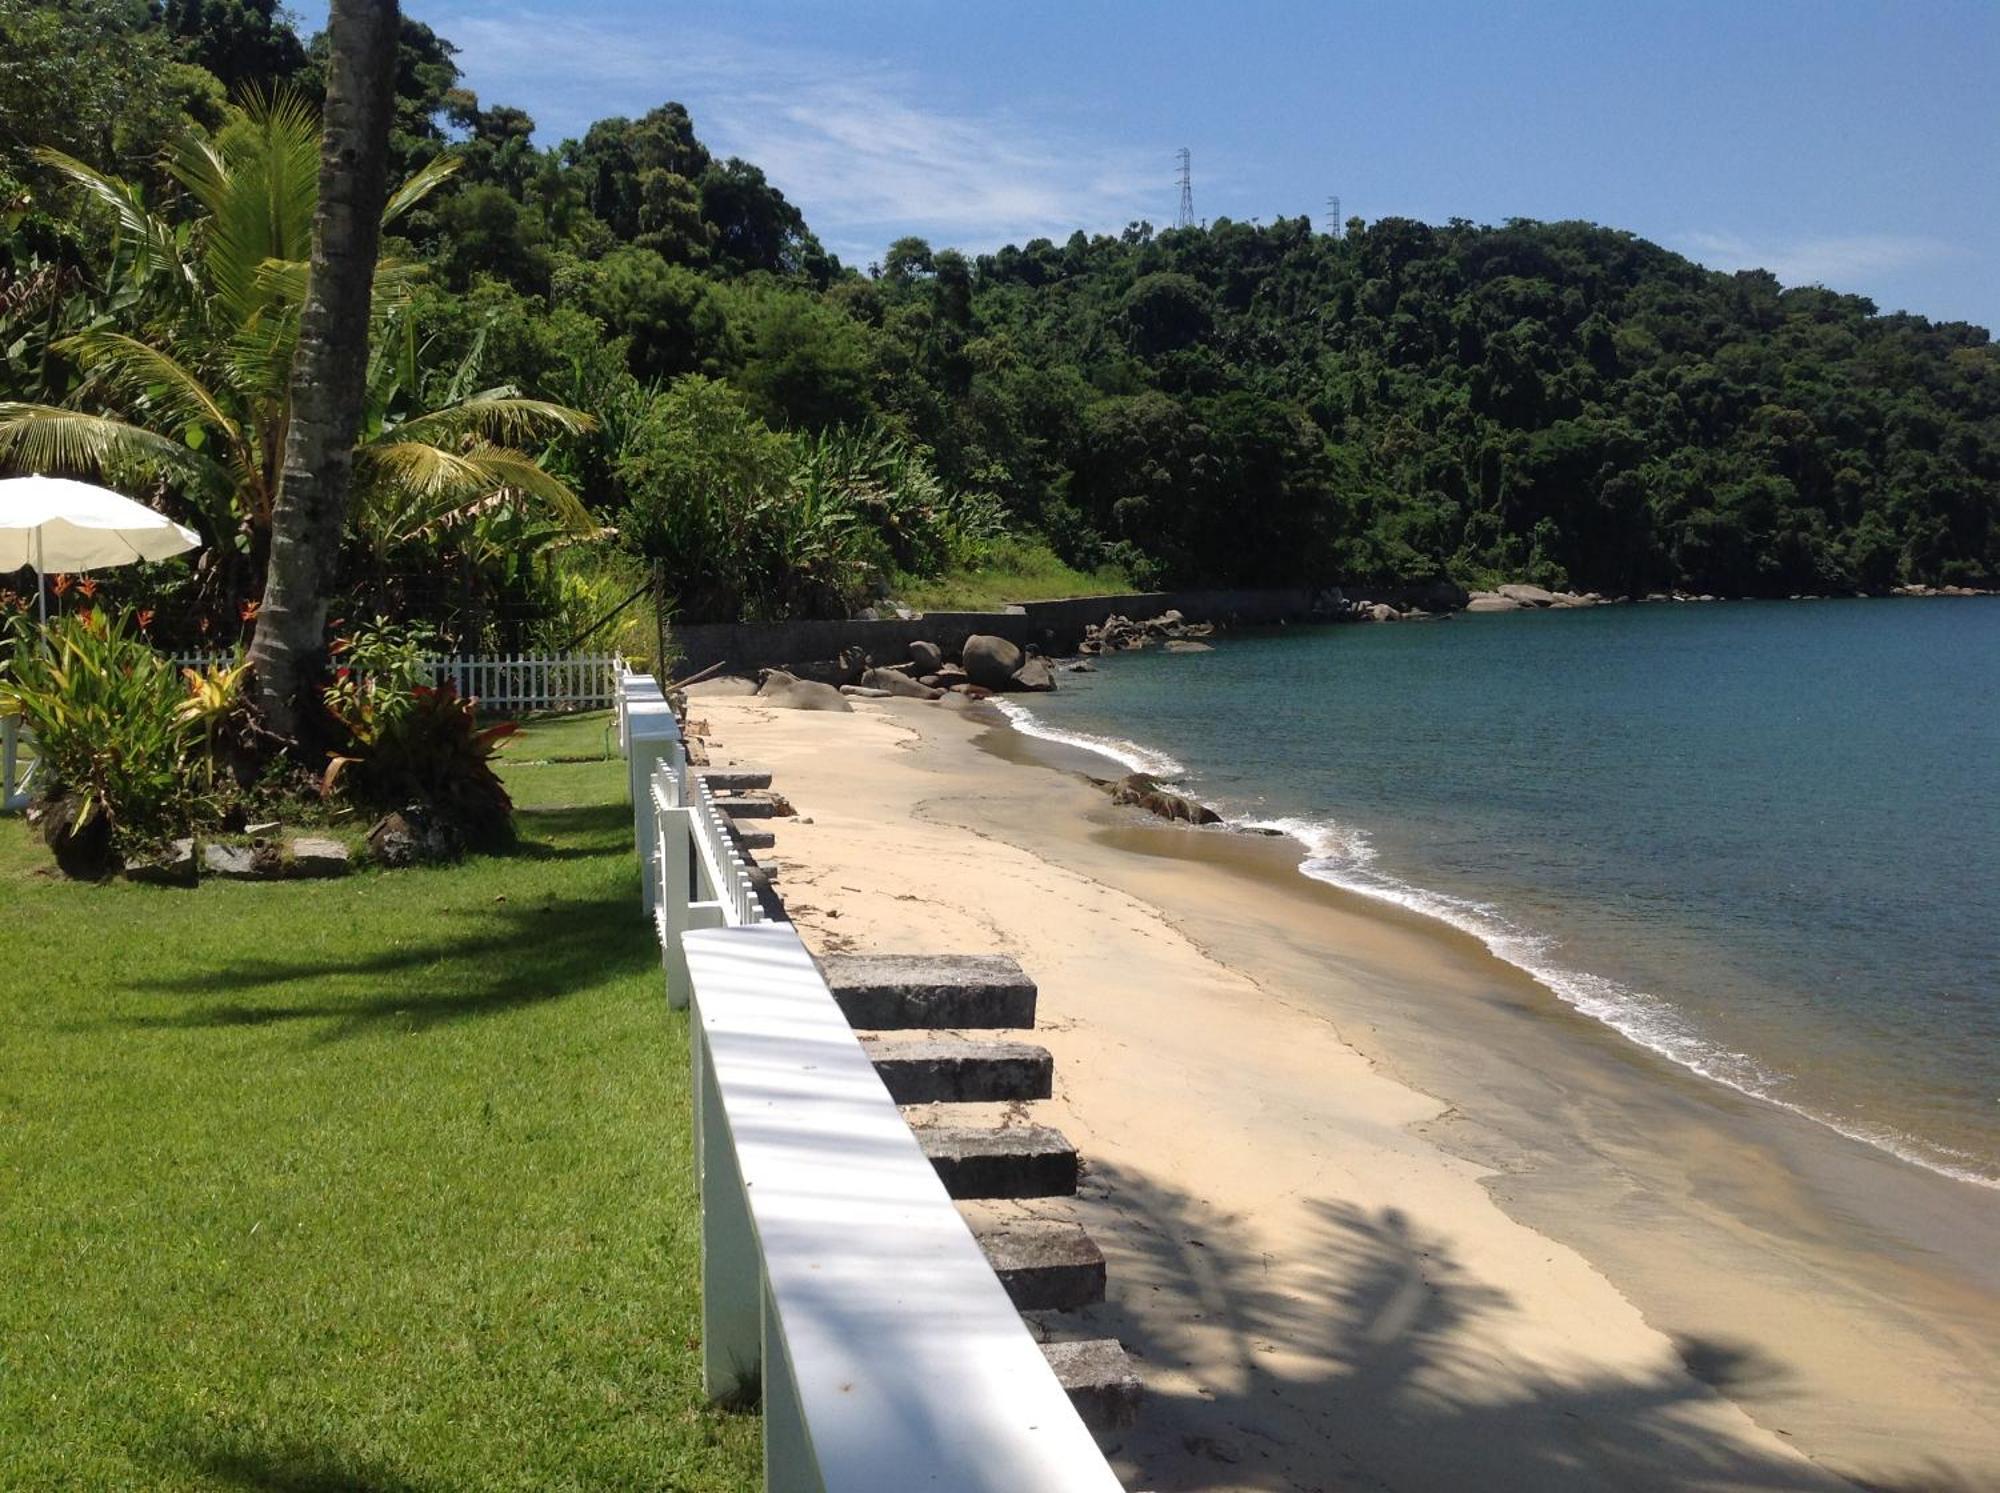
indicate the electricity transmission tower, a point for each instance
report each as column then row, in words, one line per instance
column 1333, row 222
column 1185, row 217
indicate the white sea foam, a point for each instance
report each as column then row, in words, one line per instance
column 1342, row 855
column 1128, row 754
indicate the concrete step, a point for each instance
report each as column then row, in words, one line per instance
column 749, row 838
column 742, row 806
column 962, row 1070
column 888, row 992
column 1100, row 1379
column 733, row 779
column 1046, row 1264
column 1020, row 1161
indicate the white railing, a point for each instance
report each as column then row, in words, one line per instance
column 17, row 765
column 839, row 1280
column 511, row 682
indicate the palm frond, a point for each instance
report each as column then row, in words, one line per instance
column 145, row 374
column 45, row 438
column 440, row 480
column 150, row 240
column 420, row 184
column 497, row 415
column 260, row 189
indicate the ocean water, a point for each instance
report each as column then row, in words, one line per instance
column 1760, row 839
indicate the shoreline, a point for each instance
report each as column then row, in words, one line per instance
column 1340, row 856
column 1375, row 1081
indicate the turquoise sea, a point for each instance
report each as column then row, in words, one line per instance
column 1761, row 839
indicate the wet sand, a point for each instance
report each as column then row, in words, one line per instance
column 1379, row 1210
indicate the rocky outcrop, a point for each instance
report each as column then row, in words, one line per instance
column 1034, row 676
column 991, row 662
column 1141, row 790
column 925, row 658
column 786, row 691
column 1117, row 634
column 892, row 682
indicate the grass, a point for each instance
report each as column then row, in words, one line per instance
column 1009, row 570
column 381, row 1183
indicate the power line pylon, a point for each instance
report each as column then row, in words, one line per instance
column 1185, row 217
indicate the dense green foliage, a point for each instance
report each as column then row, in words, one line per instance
column 377, row 1183
column 1239, row 403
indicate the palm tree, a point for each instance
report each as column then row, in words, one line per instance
column 195, row 399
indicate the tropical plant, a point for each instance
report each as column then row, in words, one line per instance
column 422, row 745
column 216, row 707
column 105, row 710
column 197, row 401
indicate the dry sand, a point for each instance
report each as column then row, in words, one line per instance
column 1320, row 1284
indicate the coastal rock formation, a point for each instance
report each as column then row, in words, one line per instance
column 788, row 692
column 1141, row 790
column 991, row 662
column 926, row 658
column 1033, row 675
column 1188, row 645
column 890, row 682
column 1116, row 634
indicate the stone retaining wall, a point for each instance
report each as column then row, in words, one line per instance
column 1055, row 627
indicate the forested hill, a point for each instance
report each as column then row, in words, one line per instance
column 1556, row 402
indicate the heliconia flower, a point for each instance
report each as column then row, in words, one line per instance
column 247, row 612
column 145, row 619
column 87, row 586
column 61, row 584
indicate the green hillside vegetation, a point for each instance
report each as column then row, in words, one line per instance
column 777, row 433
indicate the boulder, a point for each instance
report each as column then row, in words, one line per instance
column 1188, row 645
column 863, row 692
column 1490, row 601
column 83, row 850
column 950, row 674
column 927, row 657
column 991, row 662
column 1381, row 611
column 257, row 861
column 317, row 855
column 1033, row 675
column 788, row 692
column 412, row 837
column 1532, row 596
column 890, row 682
column 174, row 866
column 1142, row 790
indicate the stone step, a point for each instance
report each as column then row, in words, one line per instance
column 1101, row 1381
column 1046, row 1264
column 733, row 779
column 889, row 992
column 961, row 1070
column 1020, row 1161
column 749, row 838
column 741, row 806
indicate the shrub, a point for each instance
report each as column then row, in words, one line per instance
column 408, row 742
column 105, row 710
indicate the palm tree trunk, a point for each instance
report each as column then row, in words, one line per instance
column 329, row 371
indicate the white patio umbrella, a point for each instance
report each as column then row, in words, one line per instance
column 55, row 524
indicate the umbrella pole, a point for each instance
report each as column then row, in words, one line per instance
column 41, row 582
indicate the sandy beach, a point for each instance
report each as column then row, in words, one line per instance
column 1379, row 1212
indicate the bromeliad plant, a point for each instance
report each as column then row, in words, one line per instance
column 105, row 711
column 411, row 743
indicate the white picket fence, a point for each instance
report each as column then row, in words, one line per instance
column 17, row 765
column 505, row 683
column 837, row 1277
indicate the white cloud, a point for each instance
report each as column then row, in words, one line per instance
column 862, row 148
column 1842, row 262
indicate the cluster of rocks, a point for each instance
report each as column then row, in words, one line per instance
column 261, row 858
column 1116, row 634
column 1142, row 790
column 985, row 666
column 1530, row 599
column 1937, row 591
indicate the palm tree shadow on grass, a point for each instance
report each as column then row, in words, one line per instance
column 503, row 959
column 1397, row 1392
column 287, row 1467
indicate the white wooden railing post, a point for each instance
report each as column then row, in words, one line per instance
column 653, row 736
column 732, row 1285
column 676, row 892
column 10, row 762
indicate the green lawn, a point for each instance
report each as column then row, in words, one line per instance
column 381, row 1183
column 1009, row 570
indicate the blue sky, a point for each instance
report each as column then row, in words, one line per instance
column 1850, row 144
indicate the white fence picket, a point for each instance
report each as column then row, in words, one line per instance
column 508, row 683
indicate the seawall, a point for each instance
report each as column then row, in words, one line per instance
column 1053, row 627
